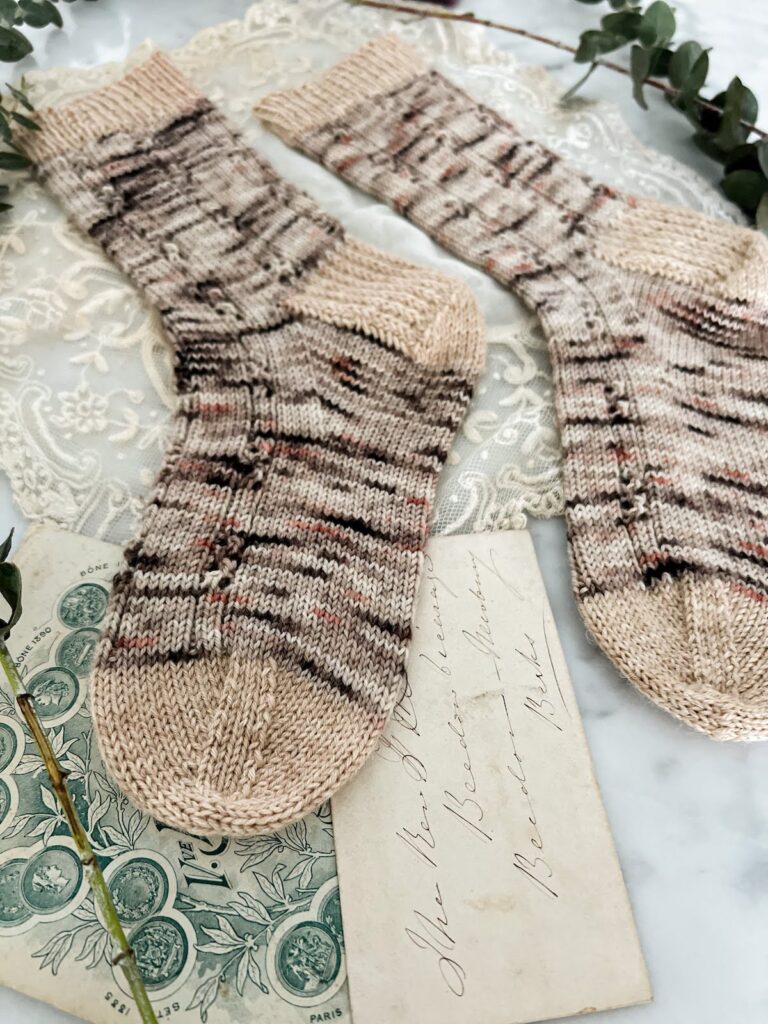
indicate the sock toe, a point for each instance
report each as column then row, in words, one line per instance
column 689, row 645
column 272, row 749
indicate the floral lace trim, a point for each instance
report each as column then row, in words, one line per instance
column 85, row 375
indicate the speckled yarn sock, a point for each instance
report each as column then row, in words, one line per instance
column 657, row 320
column 256, row 638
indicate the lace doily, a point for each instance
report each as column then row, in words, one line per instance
column 85, row 373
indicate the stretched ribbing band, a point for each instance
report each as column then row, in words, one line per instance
column 143, row 99
column 378, row 67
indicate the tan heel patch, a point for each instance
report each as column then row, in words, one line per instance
column 689, row 247
column 433, row 319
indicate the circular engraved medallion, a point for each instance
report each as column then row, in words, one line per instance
column 138, row 888
column 9, row 744
column 5, row 800
column 161, row 948
column 51, row 879
column 329, row 913
column 83, row 605
column 13, row 909
column 75, row 651
column 307, row 959
column 55, row 691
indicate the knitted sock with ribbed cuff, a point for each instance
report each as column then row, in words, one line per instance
column 256, row 637
column 657, row 320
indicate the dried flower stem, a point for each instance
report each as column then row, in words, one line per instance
column 654, row 83
column 125, row 956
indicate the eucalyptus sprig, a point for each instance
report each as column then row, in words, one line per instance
column 15, row 46
column 724, row 125
column 10, row 591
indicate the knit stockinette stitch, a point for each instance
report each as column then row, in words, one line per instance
column 657, row 320
column 256, row 637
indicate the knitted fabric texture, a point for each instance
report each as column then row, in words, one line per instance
column 657, row 320
column 256, row 637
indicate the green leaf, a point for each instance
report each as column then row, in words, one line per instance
column 20, row 96
column 707, row 144
column 739, row 104
column 5, row 547
column 593, row 43
column 27, row 122
column 13, row 45
column 682, row 62
column 743, row 158
column 5, row 128
column 10, row 589
column 5, row 206
column 660, row 58
column 695, row 78
column 745, row 188
column 761, row 214
column 13, row 161
column 762, row 155
column 8, row 10
column 39, row 13
column 570, row 93
column 624, row 23
column 658, row 24
column 640, row 65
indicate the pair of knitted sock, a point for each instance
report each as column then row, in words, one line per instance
column 256, row 639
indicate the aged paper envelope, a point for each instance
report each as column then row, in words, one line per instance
column 479, row 881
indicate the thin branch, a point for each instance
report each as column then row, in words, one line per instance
column 125, row 956
column 654, row 83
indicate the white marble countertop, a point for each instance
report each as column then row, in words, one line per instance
column 690, row 816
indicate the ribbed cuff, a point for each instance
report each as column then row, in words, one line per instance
column 381, row 66
column 144, row 98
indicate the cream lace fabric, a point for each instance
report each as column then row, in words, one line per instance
column 85, row 372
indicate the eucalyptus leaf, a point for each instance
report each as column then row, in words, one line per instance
column 5, row 206
column 762, row 155
column 13, row 45
column 744, row 158
column 5, row 128
column 660, row 58
column 570, row 93
column 640, row 65
column 39, row 13
column 624, row 23
column 739, row 104
column 13, row 161
column 20, row 96
column 745, row 188
column 658, row 24
column 8, row 10
column 26, row 122
column 682, row 62
column 695, row 78
column 593, row 43
column 5, row 547
column 10, row 590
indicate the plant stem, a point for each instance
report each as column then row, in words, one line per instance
column 125, row 956
column 654, row 83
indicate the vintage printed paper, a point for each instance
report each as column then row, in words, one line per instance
column 224, row 930
column 478, row 876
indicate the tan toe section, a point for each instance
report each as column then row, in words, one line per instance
column 273, row 746
column 697, row 648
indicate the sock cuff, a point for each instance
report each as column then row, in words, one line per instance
column 380, row 66
column 144, row 98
